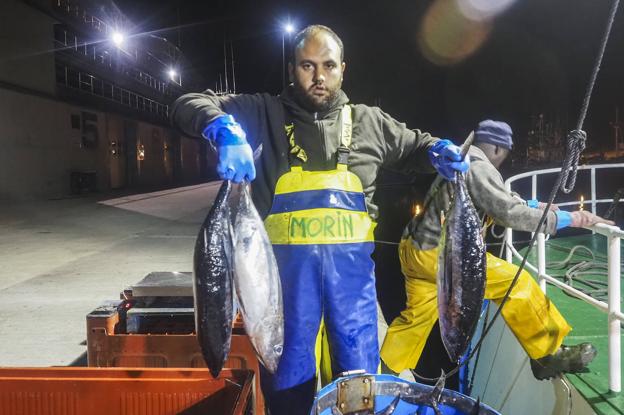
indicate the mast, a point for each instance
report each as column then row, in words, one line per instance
column 233, row 76
column 225, row 65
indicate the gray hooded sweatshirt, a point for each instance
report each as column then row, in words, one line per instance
column 378, row 140
column 487, row 191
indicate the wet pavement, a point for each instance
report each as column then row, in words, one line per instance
column 60, row 259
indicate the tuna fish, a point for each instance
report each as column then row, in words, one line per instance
column 461, row 271
column 212, row 283
column 257, row 283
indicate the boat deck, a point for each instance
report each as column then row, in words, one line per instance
column 589, row 324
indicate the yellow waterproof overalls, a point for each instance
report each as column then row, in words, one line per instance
column 531, row 316
column 322, row 237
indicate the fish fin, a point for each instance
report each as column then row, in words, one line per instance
column 436, row 393
column 476, row 407
column 466, row 146
column 439, row 386
column 257, row 152
column 389, row 410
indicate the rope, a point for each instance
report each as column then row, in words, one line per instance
column 577, row 137
column 497, row 235
column 564, row 263
column 594, row 75
column 574, row 147
column 577, row 270
column 378, row 241
column 576, row 142
column 501, row 244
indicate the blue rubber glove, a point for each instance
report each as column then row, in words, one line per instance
column 446, row 158
column 235, row 154
column 564, row 219
column 533, row 203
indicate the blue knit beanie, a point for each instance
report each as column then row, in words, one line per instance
column 494, row 132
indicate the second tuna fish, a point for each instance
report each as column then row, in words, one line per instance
column 257, row 283
column 461, row 272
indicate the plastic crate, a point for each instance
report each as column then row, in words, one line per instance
column 106, row 347
column 136, row 391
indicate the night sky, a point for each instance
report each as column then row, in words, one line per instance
column 536, row 58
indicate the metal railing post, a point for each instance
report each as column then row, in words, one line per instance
column 615, row 362
column 593, row 190
column 508, row 235
column 541, row 260
column 508, row 244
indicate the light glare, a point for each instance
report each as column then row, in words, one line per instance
column 118, row 38
column 289, row 28
column 447, row 36
column 480, row 10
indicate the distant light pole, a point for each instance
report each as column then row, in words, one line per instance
column 287, row 30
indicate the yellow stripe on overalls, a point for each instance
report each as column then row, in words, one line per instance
column 320, row 226
column 298, row 180
column 323, row 225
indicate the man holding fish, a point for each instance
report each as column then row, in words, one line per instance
column 314, row 188
column 535, row 321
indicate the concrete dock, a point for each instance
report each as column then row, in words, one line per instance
column 62, row 258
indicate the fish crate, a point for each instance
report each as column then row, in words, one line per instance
column 129, row 391
column 109, row 345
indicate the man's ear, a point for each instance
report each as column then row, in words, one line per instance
column 344, row 65
column 291, row 74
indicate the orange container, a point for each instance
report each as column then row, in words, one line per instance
column 107, row 349
column 137, row 391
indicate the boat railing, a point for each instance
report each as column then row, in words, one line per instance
column 613, row 234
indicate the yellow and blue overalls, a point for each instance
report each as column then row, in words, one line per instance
column 322, row 237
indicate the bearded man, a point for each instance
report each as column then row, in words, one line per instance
column 314, row 187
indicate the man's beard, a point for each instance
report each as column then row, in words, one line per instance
column 306, row 101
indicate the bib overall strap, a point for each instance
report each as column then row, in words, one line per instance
column 345, row 137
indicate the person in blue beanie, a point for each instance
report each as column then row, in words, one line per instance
column 534, row 320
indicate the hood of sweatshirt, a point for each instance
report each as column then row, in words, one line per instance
column 289, row 100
